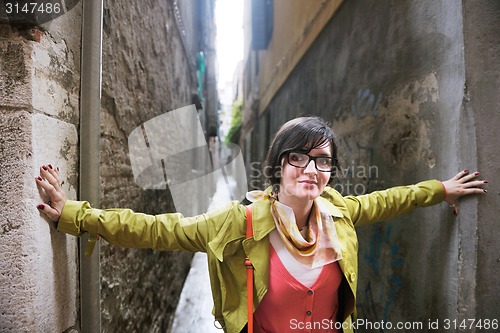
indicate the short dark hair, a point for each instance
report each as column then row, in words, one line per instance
column 299, row 134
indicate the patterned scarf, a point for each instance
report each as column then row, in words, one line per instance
column 321, row 244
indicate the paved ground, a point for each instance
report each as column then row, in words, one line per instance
column 194, row 312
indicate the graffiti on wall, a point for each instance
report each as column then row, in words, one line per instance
column 384, row 258
column 366, row 103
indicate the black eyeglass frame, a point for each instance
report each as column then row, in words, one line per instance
column 310, row 158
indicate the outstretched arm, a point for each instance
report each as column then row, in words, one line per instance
column 463, row 183
column 387, row 204
column 123, row 227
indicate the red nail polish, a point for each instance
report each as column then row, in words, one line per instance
column 466, row 171
column 44, row 167
column 50, row 166
column 476, row 173
column 39, row 178
column 40, row 206
column 486, row 182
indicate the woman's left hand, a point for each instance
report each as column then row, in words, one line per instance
column 462, row 184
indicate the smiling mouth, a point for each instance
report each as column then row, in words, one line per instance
column 310, row 182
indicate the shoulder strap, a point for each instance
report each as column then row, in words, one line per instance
column 248, row 264
column 249, row 221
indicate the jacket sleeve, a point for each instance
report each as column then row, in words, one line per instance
column 384, row 205
column 124, row 227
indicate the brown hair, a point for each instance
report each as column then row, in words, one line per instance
column 299, row 134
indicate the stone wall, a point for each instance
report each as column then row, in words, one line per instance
column 146, row 72
column 39, row 87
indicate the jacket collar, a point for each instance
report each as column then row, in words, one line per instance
column 330, row 207
column 227, row 241
column 262, row 225
column 262, row 220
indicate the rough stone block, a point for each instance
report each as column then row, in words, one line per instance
column 39, row 265
column 15, row 73
column 55, row 87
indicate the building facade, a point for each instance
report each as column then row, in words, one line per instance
column 410, row 89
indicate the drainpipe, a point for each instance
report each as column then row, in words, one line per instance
column 90, row 109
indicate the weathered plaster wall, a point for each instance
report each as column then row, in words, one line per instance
column 146, row 73
column 391, row 77
column 39, row 87
column 482, row 49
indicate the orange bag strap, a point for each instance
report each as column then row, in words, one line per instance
column 248, row 264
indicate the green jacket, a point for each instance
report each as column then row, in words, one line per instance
column 221, row 234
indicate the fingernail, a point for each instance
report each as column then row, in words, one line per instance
column 476, row 173
column 40, row 206
column 39, row 178
column 57, row 168
column 486, row 182
column 466, row 171
column 44, row 167
column 485, row 191
column 50, row 166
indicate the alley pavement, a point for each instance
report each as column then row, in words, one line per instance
column 194, row 311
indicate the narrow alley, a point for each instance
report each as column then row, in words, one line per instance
column 398, row 95
column 194, row 311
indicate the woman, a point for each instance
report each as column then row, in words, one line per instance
column 304, row 245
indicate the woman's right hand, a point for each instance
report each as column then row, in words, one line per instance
column 51, row 182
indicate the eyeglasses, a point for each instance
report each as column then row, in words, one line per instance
column 300, row 160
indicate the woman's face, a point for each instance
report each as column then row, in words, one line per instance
column 304, row 183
